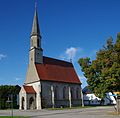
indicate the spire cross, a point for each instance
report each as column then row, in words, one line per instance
column 35, row 4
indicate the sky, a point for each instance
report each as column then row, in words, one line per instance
column 69, row 29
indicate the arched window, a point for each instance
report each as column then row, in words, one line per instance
column 56, row 92
column 38, row 42
column 72, row 93
column 64, row 93
column 77, row 93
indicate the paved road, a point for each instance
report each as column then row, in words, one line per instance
column 96, row 112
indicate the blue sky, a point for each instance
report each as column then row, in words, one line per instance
column 69, row 28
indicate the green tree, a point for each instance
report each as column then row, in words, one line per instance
column 5, row 92
column 103, row 73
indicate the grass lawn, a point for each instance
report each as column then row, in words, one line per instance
column 13, row 117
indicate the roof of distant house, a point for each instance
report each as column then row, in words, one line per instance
column 86, row 90
column 57, row 70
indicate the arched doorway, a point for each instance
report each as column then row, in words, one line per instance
column 23, row 103
column 31, row 103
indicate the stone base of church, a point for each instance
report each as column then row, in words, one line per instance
column 66, row 103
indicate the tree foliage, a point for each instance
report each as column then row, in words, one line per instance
column 5, row 93
column 103, row 73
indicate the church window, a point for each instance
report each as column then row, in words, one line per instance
column 56, row 92
column 77, row 93
column 64, row 93
column 72, row 93
column 38, row 43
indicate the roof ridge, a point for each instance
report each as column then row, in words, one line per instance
column 57, row 59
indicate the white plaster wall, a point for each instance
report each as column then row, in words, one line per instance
column 22, row 94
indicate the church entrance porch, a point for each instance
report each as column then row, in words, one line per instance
column 27, row 97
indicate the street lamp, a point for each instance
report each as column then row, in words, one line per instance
column 11, row 101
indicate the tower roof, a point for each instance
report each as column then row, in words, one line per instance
column 35, row 27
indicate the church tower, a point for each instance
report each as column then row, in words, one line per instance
column 36, row 52
column 32, row 85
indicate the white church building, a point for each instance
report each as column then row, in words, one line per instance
column 49, row 82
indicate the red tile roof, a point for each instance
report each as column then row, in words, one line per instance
column 57, row 70
column 29, row 89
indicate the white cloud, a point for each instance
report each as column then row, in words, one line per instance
column 71, row 52
column 18, row 79
column 74, row 53
column 2, row 56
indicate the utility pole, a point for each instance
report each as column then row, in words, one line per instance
column 12, row 105
column 118, row 104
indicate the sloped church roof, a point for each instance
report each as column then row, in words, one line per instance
column 57, row 70
column 29, row 89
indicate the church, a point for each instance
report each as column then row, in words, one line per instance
column 50, row 83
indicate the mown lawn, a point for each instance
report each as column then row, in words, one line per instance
column 13, row 117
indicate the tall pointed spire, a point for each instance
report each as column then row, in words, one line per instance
column 35, row 27
column 36, row 52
